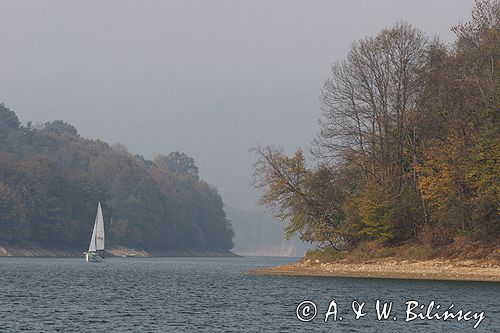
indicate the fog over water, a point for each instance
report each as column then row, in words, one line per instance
column 209, row 78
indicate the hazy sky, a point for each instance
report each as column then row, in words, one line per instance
column 209, row 78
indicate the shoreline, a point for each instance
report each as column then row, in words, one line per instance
column 41, row 252
column 435, row 269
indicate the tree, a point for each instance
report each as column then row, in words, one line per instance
column 460, row 168
column 10, row 130
column 12, row 213
column 408, row 144
column 60, row 127
column 307, row 199
column 51, row 180
column 370, row 120
column 8, row 119
column 179, row 164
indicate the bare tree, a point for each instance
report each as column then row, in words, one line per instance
column 369, row 101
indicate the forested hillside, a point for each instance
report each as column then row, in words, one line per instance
column 51, row 180
column 409, row 145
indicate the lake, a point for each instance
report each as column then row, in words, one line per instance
column 216, row 295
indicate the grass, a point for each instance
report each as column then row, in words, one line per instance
column 372, row 251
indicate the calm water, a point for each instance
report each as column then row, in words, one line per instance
column 213, row 295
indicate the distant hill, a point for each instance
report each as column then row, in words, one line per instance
column 257, row 233
column 51, row 180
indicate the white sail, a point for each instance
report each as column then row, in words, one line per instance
column 99, row 237
column 92, row 247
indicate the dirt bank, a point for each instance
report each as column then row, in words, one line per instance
column 436, row 269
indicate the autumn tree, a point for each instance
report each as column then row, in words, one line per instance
column 308, row 199
column 460, row 172
column 369, row 105
column 409, row 143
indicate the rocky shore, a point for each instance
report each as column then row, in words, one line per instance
column 37, row 251
column 436, row 269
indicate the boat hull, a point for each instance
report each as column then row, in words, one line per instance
column 93, row 257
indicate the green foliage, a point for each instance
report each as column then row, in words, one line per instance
column 51, row 181
column 9, row 130
column 8, row 120
column 12, row 213
column 178, row 164
column 370, row 214
column 309, row 199
column 60, row 127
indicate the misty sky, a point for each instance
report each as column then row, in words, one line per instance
column 209, row 78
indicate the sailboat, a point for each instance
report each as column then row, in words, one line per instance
column 96, row 247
